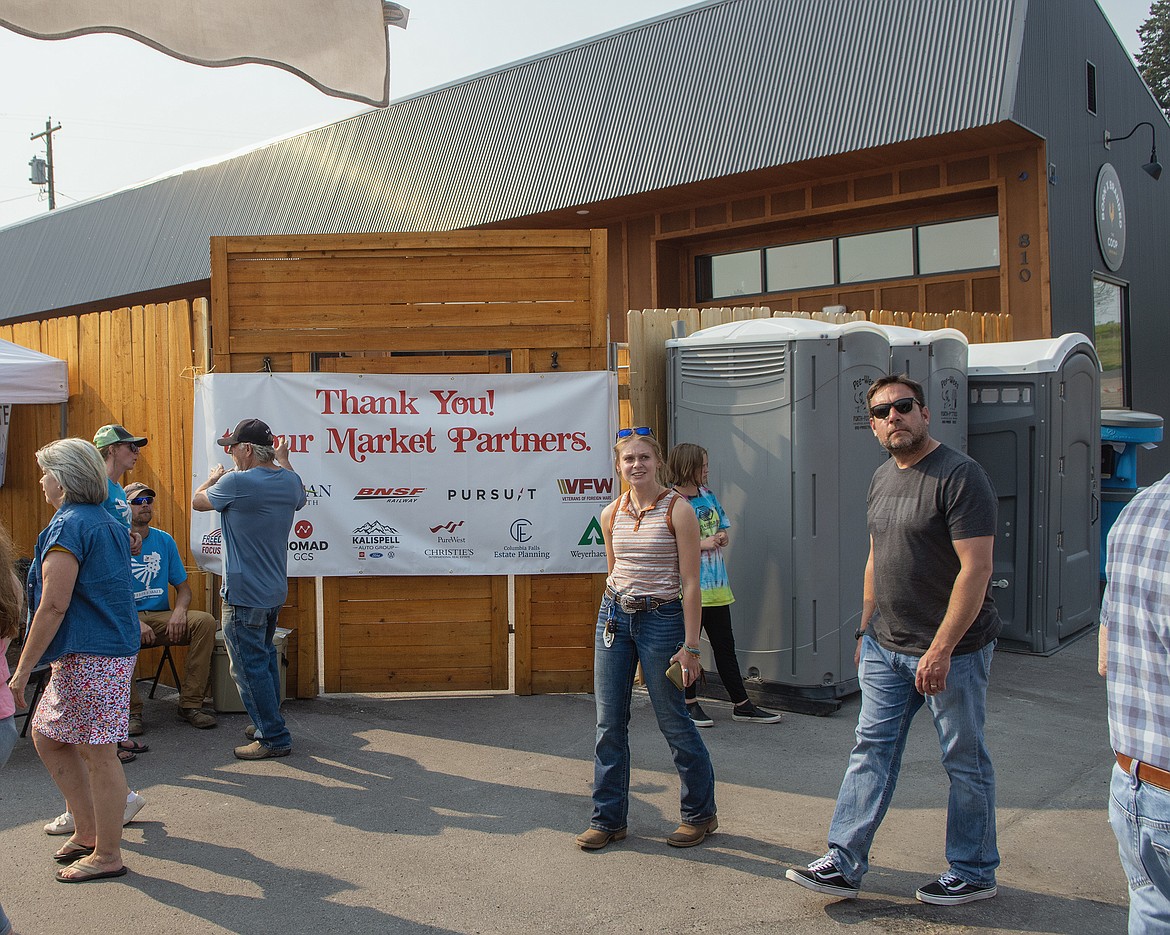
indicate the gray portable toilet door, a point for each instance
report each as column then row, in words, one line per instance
column 1075, row 546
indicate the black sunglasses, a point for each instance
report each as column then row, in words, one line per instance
column 638, row 430
column 903, row 406
column 139, row 501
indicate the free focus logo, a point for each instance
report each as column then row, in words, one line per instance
column 574, row 489
column 212, row 543
column 390, row 494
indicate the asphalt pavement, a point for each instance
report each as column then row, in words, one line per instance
column 457, row 813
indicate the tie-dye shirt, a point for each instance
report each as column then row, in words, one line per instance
column 712, row 569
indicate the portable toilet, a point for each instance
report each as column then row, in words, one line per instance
column 776, row 404
column 1034, row 425
column 1123, row 431
column 937, row 360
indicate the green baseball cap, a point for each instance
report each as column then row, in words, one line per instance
column 114, row 434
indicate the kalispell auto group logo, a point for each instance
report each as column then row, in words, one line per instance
column 374, row 540
column 212, row 542
column 575, row 489
column 390, row 494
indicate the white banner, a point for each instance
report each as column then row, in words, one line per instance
column 426, row 474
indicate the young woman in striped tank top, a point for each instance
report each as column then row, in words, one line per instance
column 650, row 613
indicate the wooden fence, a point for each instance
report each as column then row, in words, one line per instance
column 649, row 330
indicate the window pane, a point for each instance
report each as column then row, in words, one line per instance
column 799, row 265
column 885, row 255
column 971, row 244
column 1109, row 338
column 735, row 274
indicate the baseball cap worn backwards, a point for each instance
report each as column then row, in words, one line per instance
column 252, row 431
column 138, row 489
column 113, row 435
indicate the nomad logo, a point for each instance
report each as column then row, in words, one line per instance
column 375, row 535
column 390, row 494
column 585, row 488
column 303, row 529
column 592, row 535
column 212, row 543
column 450, row 527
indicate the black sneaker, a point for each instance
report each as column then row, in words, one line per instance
column 698, row 715
column 824, row 877
column 951, row 890
column 749, row 712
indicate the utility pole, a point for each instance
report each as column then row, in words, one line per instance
column 48, row 138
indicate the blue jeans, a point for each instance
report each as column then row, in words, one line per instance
column 888, row 705
column 653, row 637
column 255, row 668
column 1140, row 815
column 8, row 737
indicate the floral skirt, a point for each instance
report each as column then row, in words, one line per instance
column 87, row 699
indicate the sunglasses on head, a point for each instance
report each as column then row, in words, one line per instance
column 903, row 406
column 139, row 501
column 637, row 430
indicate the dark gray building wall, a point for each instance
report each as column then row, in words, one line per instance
column 1051, row 100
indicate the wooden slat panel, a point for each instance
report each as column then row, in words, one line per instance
column 546, row 682
column 409, row 679
column 400, row 316
column 446, row 241
column 365, row 294
column 269, row 343
column 413, row 633
column 564, row 659
column 398, row 268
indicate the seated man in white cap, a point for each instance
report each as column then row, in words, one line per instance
column 156, row 565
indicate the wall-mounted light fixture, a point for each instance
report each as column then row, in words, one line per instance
column 1153, row 168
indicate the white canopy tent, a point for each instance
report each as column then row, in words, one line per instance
column 28, row 376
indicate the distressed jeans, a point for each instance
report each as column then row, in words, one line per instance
column 653, row 637
column 255, row 668
column 1140, row 816
column 889, row 702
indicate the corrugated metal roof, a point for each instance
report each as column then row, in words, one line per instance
column 723, row 87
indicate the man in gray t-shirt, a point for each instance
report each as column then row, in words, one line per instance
column 256, row 502
column 928, row 629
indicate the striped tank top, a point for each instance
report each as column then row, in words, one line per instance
column 646, row 557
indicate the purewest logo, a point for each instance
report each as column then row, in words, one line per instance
column 390, row 494
column 585, row 488
column 450, row 527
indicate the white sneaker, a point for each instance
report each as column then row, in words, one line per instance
column 134, row 804
column 62, row 824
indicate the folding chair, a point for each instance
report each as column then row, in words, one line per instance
column 163, row 661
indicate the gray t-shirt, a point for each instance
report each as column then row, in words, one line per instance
column 914, row 515
column 256, row 512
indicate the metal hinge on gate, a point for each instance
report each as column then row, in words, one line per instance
column 1059, row 541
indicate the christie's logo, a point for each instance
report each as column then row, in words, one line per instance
column 375, row 535
column 212, row 543
column 390, row 494
column 585, row 488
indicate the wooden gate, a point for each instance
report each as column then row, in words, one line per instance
column 459, row 302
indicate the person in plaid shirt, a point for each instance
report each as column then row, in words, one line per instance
column 1134, row 657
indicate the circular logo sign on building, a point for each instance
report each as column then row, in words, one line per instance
column 1110, row 217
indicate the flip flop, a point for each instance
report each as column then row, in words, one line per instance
column 127, row 756
column 87, row 874
column 133, row 746
column 71, row 851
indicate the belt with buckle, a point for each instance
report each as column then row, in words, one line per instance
column 1145, row 772
column 633, row 605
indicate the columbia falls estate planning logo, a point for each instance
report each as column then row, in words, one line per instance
column 390, row 494
column 574, row 489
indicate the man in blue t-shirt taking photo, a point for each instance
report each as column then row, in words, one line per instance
column 256, row 501
column 157, row 565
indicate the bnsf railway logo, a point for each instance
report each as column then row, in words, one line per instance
column 390, row 494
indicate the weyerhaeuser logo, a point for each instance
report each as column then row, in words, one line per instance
column 390, row 494
column 575, row 489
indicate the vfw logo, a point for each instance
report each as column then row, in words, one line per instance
column 574, row 489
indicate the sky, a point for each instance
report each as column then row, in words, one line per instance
column 129, row 113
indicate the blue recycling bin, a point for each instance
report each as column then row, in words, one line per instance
column 1123, row 432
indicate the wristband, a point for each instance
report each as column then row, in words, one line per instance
column 858, row 634
column 693, row 650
